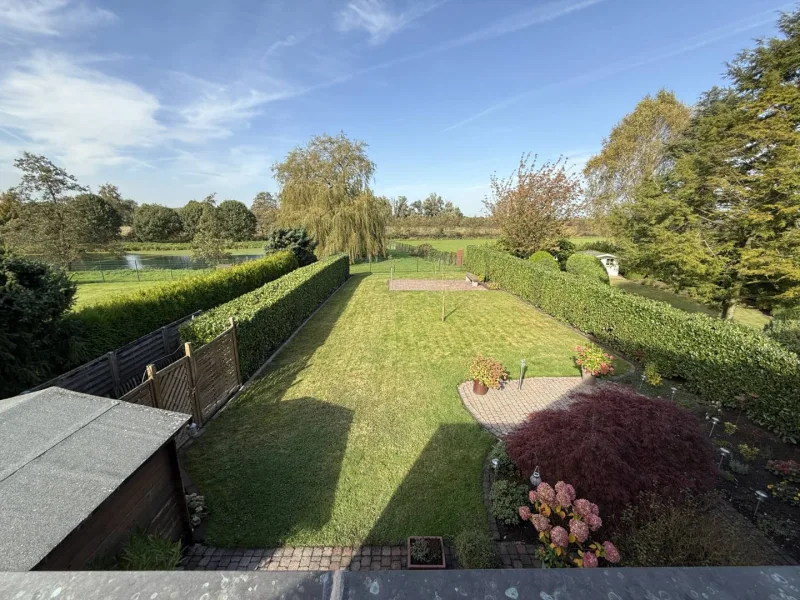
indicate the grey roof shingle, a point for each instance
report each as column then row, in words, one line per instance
column 62, row 454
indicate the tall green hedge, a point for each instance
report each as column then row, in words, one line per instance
column 267, row 316
column 718, row 359
column 122, row 319
column 545, row 260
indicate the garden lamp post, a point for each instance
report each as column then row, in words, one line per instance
column 725, row 453
column 641, row 381
column 521, row 372
column 495, row 467
column 761, row 497
column 674, row 389
column 714, row 421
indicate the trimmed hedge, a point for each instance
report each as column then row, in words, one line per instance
column 587, row 265
column 267, row 316
column 718, row 359
column 545, row 259
column 109, row 325
column 786, row 332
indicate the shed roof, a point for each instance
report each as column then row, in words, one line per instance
column 597, row 254
column 62, row 454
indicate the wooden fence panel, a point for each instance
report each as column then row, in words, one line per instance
column 216, row 372
column 141, row 394
column 175, row 387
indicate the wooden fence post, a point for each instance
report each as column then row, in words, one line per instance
column 113, row 366
column 197, row 409
column 164, row 340
column 236, row 351
column 151, row 375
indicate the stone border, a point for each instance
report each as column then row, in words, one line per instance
column 311, row 558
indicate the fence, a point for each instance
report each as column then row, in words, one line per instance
column 427, row 252
column 197, row 384
column 116, row 372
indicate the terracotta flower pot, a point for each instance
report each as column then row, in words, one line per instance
column 479, row 388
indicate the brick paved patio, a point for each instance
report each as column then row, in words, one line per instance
column 433, row 285
column 500, row 411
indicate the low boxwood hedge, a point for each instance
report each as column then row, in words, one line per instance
column 718, row 359
column 122, row 319
column 267, row 316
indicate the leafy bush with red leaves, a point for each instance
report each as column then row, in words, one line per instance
column 613, row 444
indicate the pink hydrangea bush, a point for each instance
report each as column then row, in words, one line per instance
column 565, row 524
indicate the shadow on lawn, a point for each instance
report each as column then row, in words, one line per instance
column 429, row 501
column 270, row 468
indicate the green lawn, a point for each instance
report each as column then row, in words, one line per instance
column 746, row 316
column 94, row 293
column 356, row 432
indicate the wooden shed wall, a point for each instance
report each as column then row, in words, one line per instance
column 151, row 499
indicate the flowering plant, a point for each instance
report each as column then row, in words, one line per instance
column 488, row 371
column 785, row 492
column 565, row 525
column 788, row 469
column 593, row 360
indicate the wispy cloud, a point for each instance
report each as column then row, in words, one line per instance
column 277, row 46
column 379, row 19
column 50, row 17
column 74, row 111
column 688, row 45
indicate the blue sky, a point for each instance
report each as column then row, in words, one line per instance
column 172, row 100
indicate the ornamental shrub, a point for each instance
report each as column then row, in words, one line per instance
column 475, row 549
column 588, row 266
column 33, row 298
column 122, row 319
column 683, row 532
column 544, row 259
column 267, row 316
column 297, row 240
column 506, row 497
column 148, row 552
column 786, row 332
column 487, row 371
column 616, row 444
column 715, row 358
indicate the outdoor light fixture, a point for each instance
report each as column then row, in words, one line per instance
column 521, row 372
column 724, row 452
column 674, row 389
column 714, row 421
column 642, row 381
column 761, row 496
column 535, row 478
column 495, row 464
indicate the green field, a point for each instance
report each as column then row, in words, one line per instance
column 456, row 244
column 95, row 293
column 746, row 316
column 356, row 432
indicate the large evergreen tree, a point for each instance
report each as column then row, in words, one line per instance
column 725, row 220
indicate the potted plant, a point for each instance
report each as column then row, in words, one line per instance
column 593, row 362
column 486, row 373
column 426, row 552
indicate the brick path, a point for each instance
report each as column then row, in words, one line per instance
column 500, row 411
column 433, row 285
column 322, row 558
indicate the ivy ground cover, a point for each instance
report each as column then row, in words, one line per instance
column 356, row 431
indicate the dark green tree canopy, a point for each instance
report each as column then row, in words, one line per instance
column 33, row 297
column 124, row 208
column 238, row 223
column 265, row 210
column 156, row 223
column 190, row 215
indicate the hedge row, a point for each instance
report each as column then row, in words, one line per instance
column 106, row 326
column 717, row 359
column 587, row 265
column 266, row 317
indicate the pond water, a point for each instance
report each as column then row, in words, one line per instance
column 134, row 260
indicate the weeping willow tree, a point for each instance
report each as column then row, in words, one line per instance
column 325, row 188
